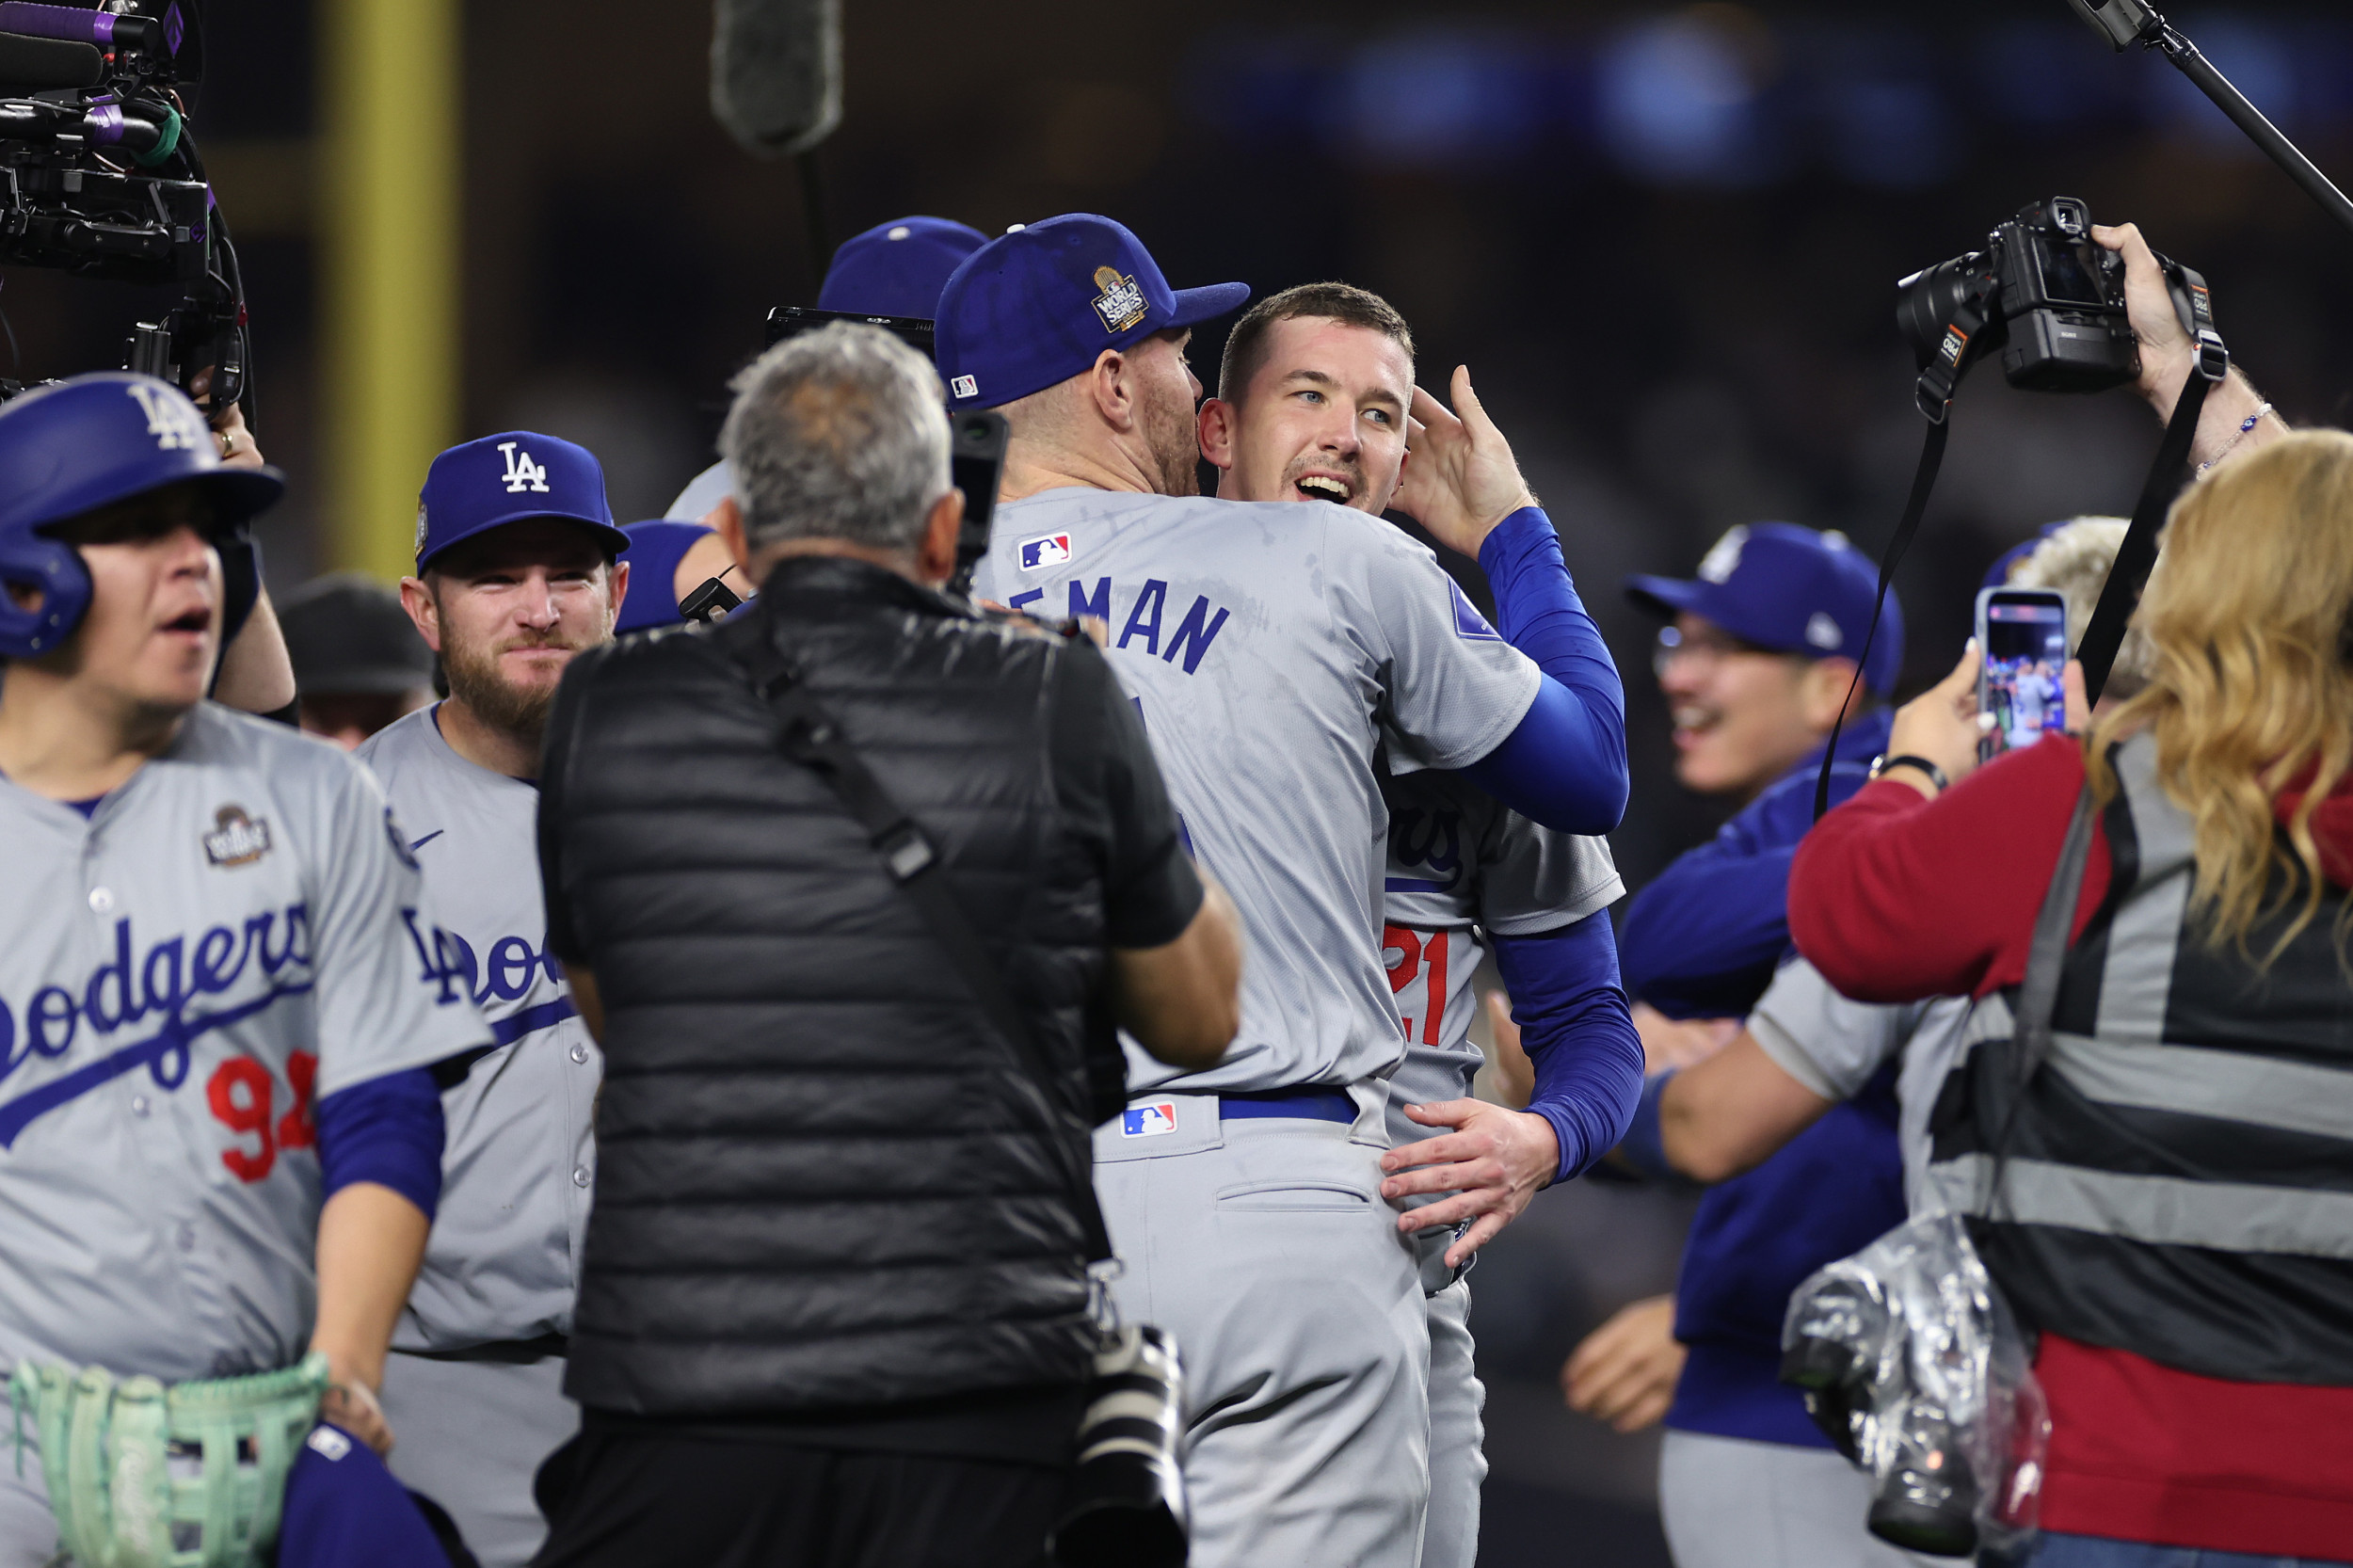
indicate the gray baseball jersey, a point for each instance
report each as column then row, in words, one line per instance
column 230, row 935
column 1463, row 868
column 503, row 1263
column 1269, row 647
column 1833, row 1046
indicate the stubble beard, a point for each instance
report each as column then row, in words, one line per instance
column 1176, row 445
column 500, row 704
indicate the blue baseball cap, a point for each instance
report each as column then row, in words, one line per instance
column 507, row 478
column 897, row 268
column 1790, row 589
column 106, row 437
column 1037, row 305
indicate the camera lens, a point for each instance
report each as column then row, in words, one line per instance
column 1925, row 302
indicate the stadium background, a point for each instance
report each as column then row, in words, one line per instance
column 1664, row 237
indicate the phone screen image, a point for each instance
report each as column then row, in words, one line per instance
column 2025, row 637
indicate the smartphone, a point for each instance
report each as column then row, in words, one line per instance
column 2023, row 633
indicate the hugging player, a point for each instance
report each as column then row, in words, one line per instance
column 1312, row 406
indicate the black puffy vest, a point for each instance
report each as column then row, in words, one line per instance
column 815, row 1187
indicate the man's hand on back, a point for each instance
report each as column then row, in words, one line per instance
column 1493, row 1160
column 1461, row 478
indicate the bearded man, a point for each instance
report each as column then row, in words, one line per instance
column 515, row 573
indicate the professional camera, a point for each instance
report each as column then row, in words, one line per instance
column 100, row 178
column 1911, row 1366
column 2053, row 299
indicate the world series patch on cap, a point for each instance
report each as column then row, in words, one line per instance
column 1038, row 305
column 507, row 478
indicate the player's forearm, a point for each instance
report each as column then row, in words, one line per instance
column 1565, row 763
column 1579, row 1033
column 371, row 1242
column 256, row 671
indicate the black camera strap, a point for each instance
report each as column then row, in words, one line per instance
column 809, row 736
column 2104, row 633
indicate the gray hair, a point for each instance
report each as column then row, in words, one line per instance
column 837, row 434
column 2074, row 562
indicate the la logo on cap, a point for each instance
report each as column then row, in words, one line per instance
column 522, row 473
column 1121, row 303
column 1724, row 559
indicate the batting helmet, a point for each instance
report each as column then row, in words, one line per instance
column 86, row 443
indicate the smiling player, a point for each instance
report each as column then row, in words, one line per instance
column 514, row 575
column 1313, row 406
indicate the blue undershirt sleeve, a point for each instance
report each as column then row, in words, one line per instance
column 1564, row 764
column 1578, row 1032
column 387, row 1130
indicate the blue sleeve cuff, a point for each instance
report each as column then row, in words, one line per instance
column 1644, row 1146
column 1579, row 1033
column 387, row 1130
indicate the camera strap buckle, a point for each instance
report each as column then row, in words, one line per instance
column 2213, row 360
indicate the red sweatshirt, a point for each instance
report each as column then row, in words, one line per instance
column 1895, row 898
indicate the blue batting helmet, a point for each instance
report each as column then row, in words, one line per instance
column 89, row 443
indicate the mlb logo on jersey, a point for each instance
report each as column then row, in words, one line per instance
column 1048, row 549
column 1148, row 1121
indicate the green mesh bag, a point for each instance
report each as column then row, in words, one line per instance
column 145, row 1476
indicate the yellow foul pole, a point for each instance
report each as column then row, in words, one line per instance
column 388, row 368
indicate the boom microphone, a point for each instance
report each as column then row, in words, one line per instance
column 776, row 73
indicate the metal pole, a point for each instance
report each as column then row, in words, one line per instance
column 389, row 361
column 2250, row 119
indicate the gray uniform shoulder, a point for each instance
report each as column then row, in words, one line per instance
column 296, row 764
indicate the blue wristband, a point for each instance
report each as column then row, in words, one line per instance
column 1644, row 1146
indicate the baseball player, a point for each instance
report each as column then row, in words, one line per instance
column 1270, row 649
column 894, row 269
column 515, row 574
column 217, row 1130
column 1311, row 397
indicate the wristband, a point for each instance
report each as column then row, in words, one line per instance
column 1936, row 775
column 1644, row 1144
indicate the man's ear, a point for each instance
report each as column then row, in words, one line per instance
column 620, row 592
column 1107, row 384
column 1217, row 423
column 1403, row 464
column 728, row 518
column 936, row 556
column 417, row 600
column 1824, row 690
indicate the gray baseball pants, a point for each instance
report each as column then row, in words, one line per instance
column 28, row 1531
column 1458, row 1457
column 1264, row 1247
column 470, row 1435
column 1731, row 1503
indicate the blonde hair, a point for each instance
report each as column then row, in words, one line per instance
column 2248, row 616
column 2073, row 560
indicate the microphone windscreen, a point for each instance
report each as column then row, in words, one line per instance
column 776, row 73
column 47, row 62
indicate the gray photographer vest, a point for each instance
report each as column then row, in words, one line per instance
column 2176, row 1179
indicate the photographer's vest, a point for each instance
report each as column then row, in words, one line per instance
column 2176, row 1179
column 815, row 1189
